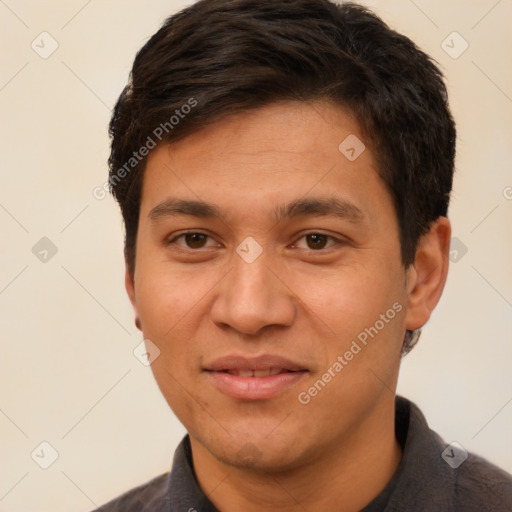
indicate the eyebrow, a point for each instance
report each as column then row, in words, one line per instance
column 312, row 207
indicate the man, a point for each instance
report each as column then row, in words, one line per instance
column 283, row 169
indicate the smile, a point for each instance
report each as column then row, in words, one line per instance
column 257, row 373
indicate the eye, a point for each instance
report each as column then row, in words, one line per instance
column 192, row 240
column 197, row 240
column 317, row 241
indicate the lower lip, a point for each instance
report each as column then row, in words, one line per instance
column 255, row 388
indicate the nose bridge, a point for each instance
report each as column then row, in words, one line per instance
column 251, row 297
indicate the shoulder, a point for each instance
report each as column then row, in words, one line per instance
column 481, row 485
column 438, row 476
column 148, row 497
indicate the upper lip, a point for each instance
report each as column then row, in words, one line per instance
column 264, row 362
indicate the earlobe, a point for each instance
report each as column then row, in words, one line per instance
column 427, row 277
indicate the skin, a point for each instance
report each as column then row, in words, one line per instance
column 197, row 299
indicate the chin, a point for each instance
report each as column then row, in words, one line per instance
column 258, row 452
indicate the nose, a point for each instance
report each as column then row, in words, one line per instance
column 253, row 297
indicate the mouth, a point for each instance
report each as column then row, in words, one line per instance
column 252, row 379
column 257, row 373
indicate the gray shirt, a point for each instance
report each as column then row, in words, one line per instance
column 432, row 476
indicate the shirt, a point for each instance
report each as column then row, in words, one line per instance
column 432, row 476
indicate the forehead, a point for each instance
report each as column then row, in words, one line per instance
column 279, row 133
column 273, row 155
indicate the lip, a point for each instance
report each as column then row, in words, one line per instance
column 254, row 388
column 263, row 362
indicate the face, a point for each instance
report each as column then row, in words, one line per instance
column 268, row 274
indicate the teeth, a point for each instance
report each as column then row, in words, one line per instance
column 256, row 373
column 244, row 373
column 262, row 373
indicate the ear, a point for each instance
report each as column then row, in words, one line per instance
column 129, row 284
column 426, row 277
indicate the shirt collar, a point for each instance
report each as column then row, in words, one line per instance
column 418, row 472
column 183, row 491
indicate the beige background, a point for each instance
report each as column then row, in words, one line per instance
column 68, row 374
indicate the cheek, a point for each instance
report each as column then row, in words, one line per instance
column 163, row 297
column 165, row 312
column 346, row 300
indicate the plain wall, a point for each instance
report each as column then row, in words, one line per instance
column 68, row 374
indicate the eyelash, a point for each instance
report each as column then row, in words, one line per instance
column 329, row 237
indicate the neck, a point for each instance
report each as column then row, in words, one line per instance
column 345, row 476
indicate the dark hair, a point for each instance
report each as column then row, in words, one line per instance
column 220, row 57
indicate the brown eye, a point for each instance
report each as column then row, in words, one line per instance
column 195, row 240
column 317, row 241
column 192, row 240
